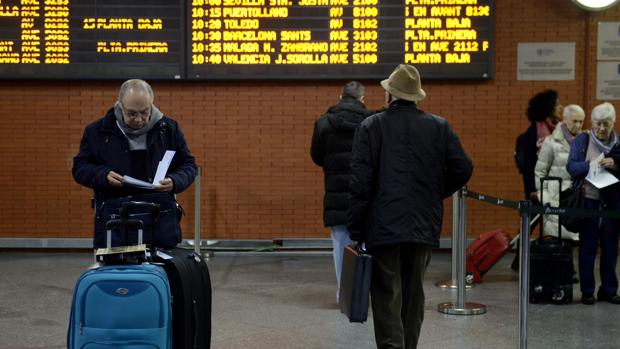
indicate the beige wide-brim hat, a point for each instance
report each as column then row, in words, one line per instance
column 404, row 83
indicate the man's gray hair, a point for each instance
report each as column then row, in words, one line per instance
column 137, row 84
column 572, row 109
column 352, row 89
column 604, row 111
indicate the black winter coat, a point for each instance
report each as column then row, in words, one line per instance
column 528, row 153
column 104, row 148
column 405, row 162
column 331, row 149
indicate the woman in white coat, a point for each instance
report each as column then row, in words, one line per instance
column 552, row 163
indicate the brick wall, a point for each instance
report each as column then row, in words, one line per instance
column 252, row 139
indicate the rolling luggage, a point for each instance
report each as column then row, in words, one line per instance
column 355, row 283
column 121, row 306
column 190, row 285
column 551, row 264
column 484, row 252
column 191, row 294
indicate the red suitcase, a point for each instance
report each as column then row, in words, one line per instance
column 485, row 251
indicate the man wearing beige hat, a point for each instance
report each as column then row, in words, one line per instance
column 404, row 163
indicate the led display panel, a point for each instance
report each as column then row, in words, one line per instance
column 244, row 39
column 88, row 39
column 337, row 39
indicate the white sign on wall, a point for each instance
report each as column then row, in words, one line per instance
column 608, row 41
column 608, row 80
column 539, row 61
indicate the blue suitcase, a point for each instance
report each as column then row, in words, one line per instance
column 127, row 306
column 123, row 306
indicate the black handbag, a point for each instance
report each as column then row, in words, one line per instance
column 573, row 198
column 164, row 226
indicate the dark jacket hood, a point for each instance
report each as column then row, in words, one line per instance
column 347, row 114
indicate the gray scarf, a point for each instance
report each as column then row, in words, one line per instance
column 604, row 148
column 136, row 138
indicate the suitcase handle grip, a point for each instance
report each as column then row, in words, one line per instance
column 124, row 224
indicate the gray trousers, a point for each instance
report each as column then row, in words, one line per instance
column 397, row 295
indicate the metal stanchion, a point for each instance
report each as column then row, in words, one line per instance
column 197, row 209
column 461, row 307
column 452, row 284
column 524, row 274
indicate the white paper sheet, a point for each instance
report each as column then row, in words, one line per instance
column 598, row 175
column 163, row 166
column 162, row 169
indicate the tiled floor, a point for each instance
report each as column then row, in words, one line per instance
column 288, row 301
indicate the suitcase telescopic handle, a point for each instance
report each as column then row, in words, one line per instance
column 542, row 180
column 152, row 208
column 123, row 224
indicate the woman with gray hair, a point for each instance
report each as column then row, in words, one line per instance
column 597, row 231
column 552, row 161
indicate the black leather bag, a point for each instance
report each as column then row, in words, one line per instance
column 164, row 226
column 573, row 198
column 355, row 283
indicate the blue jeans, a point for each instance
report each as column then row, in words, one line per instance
column 340, row 239
column 596, row 233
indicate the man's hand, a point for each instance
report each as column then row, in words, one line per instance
column 114, row 179
column 165, row 184
column 534, row 197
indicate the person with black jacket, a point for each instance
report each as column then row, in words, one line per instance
column 131, row 140
column 331, row 149
column 404, row 163
column 544, row 111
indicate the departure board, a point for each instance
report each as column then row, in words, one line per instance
column 338, row 38
column 244, row 39
column 92, row 39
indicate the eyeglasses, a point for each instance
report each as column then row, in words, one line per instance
column 602, row 124
column 134, row 114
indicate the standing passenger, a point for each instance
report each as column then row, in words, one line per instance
column 597, row 232
column 405, row 162
column 544, row 112
column 130, row 140
column 331, row 149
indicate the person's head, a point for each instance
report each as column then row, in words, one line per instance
column 353, row 89
column 573, row 118
column 603, row 120
column 404, row 83
column 545, row 106
column 136, row 98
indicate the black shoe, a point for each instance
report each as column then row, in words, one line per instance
column 587, row 299
column 615, row 299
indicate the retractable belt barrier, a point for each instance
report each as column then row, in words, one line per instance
column 526, row 210
column 545, row 209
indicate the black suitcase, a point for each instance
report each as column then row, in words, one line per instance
column 190, row 284
column 355, row 283
column 551, row 264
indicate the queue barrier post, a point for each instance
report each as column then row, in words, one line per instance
column 461, row 307
column 452, row 283
column 197, row 209
column 524, row 272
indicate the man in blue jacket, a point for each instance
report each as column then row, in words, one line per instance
column 404, row 163
column 130, row 140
